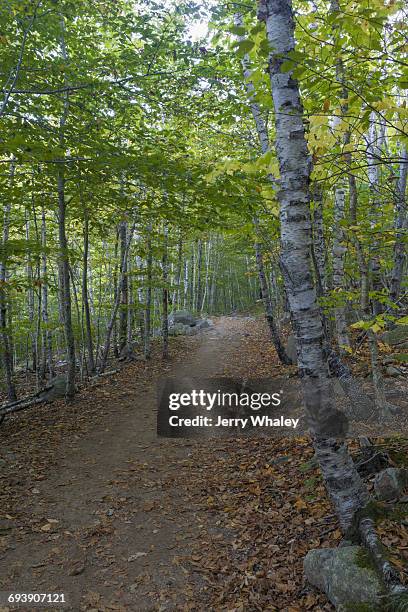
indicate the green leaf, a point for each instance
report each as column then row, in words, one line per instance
column 244, row 47
column 403, row 357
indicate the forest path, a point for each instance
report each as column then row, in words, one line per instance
column 91, row 508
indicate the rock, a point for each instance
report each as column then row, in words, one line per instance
column 77, row 569
column 136, row 556
column 291, row 348
column 388, row 360
column 390, row 483
column 204, row 324
column 344, row 575
column 57, row 391
column 395, row 336
column 392, row 371
column 179, row 329
column 182, row 316
column 182, row 329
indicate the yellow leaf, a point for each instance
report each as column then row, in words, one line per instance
column 300, row 504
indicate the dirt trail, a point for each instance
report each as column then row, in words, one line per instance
column 94, row 505
column 102, row 522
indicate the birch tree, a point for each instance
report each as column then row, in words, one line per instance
column 327, row 424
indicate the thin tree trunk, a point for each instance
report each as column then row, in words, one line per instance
column 207, row 274
column 115, row 295
column 165, row 313
column 199, row 276
column 5, row 331
column 185, row 288
column 263, row 137
column 373, row 155
column 47, row 358
column 130, row 310
column 339, row 251
column 400, row 229
column 30, row 298
column 65, row 295
column 148, row 300
column 140, row 297
column 177, row 280
column 85, row 296
column 319, row 243
column 265, row 296
column 116, row 304
column 124, row 289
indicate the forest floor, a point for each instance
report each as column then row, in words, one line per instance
column 94, row 505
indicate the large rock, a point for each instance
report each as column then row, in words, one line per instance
column 57, row 390
column 291, row 348
column 345, row 575
column 392, row 371
column 179, row 329
column 203, row 324
column 395, row 336
column 390, row 483
column 182, row 316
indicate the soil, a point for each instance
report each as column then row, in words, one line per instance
column 96, row 506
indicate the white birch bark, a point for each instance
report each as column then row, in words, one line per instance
column 165, row 294
column 47, row 363
column 263, row 137
column 327, row 424
column 319, row 243
column 338, row 253
column 400, row 227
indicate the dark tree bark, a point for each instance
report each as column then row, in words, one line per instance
column 85, row 296
column 65, row 288
column 148, row 301
column 165, row 314
column 124, row 291
column 270, row 317
column 4, row 329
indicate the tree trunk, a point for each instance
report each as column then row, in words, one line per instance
column 85, row 296
column 148, row 300
column 118, row 293
column 124, row 289
column 5, row 331
column 265, row 296
column 400, row 229
column 176, row 293
column 199, row 275
column 30, row 299
column 339, row 251
column 165, row 313
column 263, row 137
column 373, row 158
column 65, row 295
column 319, row 243
column 327, row 424
column 47, row 359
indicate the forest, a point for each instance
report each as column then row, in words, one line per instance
column 203, row 191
